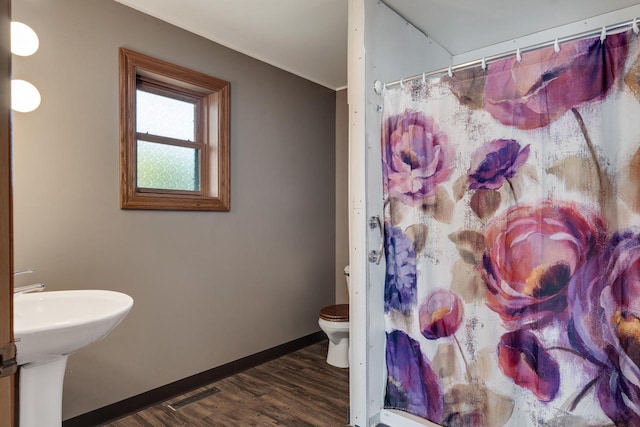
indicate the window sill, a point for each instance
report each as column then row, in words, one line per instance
column 173, row 202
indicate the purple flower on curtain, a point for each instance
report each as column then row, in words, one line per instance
column 412, row 385
column 440, row 314
column 523, row 359
column 533, row 251
column 416, row 156
column 400, row 281
column 605, row 323
column 619, row 397
column 495, row 162
column 545, row 84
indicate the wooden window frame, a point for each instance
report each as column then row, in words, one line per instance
column 211, row 96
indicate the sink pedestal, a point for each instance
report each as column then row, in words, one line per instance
column 48, row 327
column 41, row 393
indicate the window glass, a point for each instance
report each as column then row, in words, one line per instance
column 167, row 167
column 163, row 116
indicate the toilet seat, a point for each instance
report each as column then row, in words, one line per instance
column 335, row 313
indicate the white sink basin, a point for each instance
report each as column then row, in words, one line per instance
column 55, row 323
column 48, row 326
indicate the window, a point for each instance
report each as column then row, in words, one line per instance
column 174, row 136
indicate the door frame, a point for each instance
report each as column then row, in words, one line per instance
column 7, row 400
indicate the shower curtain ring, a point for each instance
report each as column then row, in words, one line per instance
column 556, row 46
column 518, row 55
column 484, row 63
column 450, row 72
column 603, row 34
column 636, row 30
column 401, row 84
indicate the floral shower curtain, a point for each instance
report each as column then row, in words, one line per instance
column 512, row 206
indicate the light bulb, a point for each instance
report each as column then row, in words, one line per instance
column 24, row 41
column 24, row 96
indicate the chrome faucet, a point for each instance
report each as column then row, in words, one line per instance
column 27, row 271
column 36, row 287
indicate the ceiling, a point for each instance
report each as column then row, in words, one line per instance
column 305, row 37
column 464, row 25
column 309, row 37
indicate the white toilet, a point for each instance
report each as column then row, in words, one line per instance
column 334, row 321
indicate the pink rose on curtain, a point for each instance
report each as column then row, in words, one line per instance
column 522, row 358
column 495, row 162
column 605, row 324
column 440, row 314
column 532, row 253
column 545, row 84
column 412, row 385
column 416, row 156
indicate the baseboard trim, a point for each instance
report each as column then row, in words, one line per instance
column 166, row 392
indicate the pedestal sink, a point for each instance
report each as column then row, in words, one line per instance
column 48, row 327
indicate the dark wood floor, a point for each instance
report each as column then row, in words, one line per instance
column 296, row 390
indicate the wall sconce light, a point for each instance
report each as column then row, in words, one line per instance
column 24, row 41
column 25, row 97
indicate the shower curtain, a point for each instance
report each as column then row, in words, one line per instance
column 512, row 206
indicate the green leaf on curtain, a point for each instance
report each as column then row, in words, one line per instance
column 485, row 203
column 418, row 233
column 578, row 173
column 446, row 363
column 475, row 404
column 470, row 245
column 460, row 187
column 581, row 174
column 632, row 79
column 397, row 211
column 468, row 86
column 630, row 192
column 440, row 207
column 466, row 282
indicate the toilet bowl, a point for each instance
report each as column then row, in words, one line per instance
column 334, row 321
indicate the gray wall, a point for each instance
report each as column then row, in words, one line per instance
column 209, row 287
column 342, row 195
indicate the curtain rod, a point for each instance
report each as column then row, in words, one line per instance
column 378, row 86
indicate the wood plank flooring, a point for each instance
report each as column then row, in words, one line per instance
column 296, row 390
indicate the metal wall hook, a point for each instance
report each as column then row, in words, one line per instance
column 375, row 255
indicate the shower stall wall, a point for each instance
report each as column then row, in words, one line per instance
column 379, row 42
